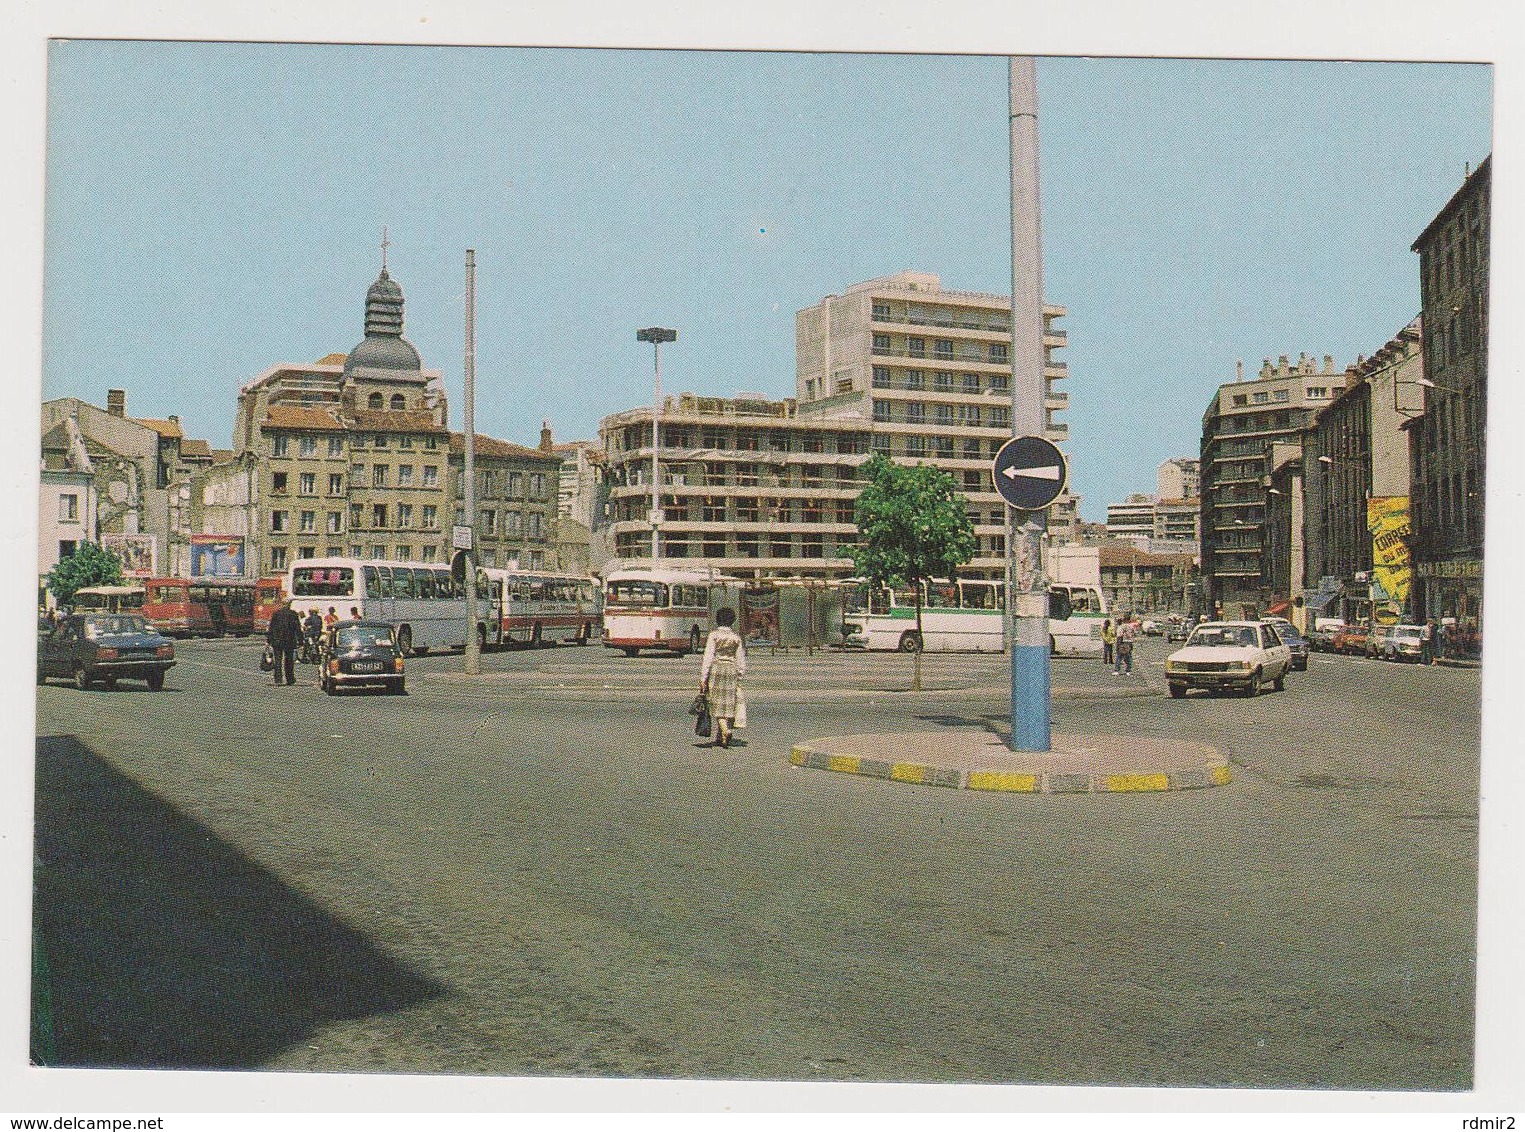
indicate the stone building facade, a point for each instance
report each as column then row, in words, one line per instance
column 1448, row 440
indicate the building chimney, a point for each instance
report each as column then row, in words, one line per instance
column 173, row 419
column 545, row 436
column 1239, row 371
column 116, row 402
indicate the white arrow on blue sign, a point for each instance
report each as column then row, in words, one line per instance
column 1029, row 472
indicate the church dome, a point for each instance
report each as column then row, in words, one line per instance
column 384, row 347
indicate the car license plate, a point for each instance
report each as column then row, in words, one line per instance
column 367, row 666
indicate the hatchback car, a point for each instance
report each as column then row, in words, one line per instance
column 1229, row 656
column 1353, row 640
column 1401, row 642
column 102, row 648
column 361, row 654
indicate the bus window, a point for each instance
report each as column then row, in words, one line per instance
column 879, row 601
column 372, row 582
column 637, row 592
column 905, row 597
column 1080, row 600
column 442, row 585
column 977, row 595
column 322, row 581
column 942, row 595
column 402, row 582
column 384, row 581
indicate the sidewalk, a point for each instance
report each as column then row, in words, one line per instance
column 974, row 758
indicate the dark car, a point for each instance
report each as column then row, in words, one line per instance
column 91, row 648
column 1293, row 640
column 361, row 654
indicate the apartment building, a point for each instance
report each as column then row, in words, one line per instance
column 1242, row 423
column 748, row 486
column 1133, row 518
column 930, row 370
column 765, row 488
column 1448, row 440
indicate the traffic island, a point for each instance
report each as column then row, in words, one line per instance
column 974, row 758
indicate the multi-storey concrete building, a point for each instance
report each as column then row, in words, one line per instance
column 1448, row 441
column 765, row 488
column 1180, row 478
column 353, row 454
column 930, row 369
column 1133, row 518
column 1241, row 424
column 748, row 486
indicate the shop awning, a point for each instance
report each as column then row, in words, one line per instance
column 1279, row 608
column 1315, row 600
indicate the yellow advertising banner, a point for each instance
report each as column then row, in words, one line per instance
column 1387, row 519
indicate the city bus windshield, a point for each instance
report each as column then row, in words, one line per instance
column 322, row 581
column 638, row 592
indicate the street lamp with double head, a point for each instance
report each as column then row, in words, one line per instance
column 656, row 335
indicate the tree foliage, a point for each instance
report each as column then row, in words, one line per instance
column 913, row 526
column 90, row 565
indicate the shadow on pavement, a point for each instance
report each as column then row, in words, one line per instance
column 168, row 948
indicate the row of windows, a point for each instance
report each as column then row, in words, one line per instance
column 885, row 377
column 381, row 475
column 943, row 349
column 308, row 446
column 636, row 437
column 280, row 521
column 755, row 546
column 965, row 318
column 943, row 415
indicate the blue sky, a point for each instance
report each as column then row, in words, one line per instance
column 213, row 209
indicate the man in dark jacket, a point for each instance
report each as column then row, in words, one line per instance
column 284, row 633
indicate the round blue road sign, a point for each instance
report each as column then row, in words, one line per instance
column 1029, row 472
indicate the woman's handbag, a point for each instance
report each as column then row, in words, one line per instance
column 700, row 710
column 267, row 659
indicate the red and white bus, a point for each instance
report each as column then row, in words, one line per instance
column 195, row 607
column 661, row 607
column 532, row 607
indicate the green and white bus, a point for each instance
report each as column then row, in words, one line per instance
column 964, row 616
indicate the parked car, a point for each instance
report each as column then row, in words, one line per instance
column 1352, row 640
column 1152, row 628
column 1294, row 640
column 1229, row 655
column 1179, row 630
column 91, row 648
column 1401, row 642
column 361, row 654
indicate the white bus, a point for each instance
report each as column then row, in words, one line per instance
column 964, row 615
column 107, row 599
column 531, row 607
column 663, row 607
column 423, row 603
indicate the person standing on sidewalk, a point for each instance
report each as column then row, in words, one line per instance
column 1427, row 643
column 1127, row 633
column 1108, row 639
column 725, row 663
column 284, row 633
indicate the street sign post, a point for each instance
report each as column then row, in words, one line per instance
column 460, row 538
column 1030, row 472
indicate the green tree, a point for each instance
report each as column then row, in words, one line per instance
column 90, row 565
column 912, row 526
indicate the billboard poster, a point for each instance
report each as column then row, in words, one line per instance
column 1387, row 519
column 139, row 553
column 217, row 556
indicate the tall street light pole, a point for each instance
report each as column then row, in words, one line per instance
column 473, row 656
column 656, row 335
column 1026, row 585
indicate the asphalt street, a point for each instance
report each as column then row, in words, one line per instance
column 543, row 872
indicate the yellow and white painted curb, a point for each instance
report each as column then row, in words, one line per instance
column 1212, row 772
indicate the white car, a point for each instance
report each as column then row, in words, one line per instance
column 1224, row 655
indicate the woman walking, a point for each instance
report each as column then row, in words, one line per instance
column 725, row 663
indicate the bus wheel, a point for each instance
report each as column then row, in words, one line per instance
column 405, row 640
column 910, row 642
